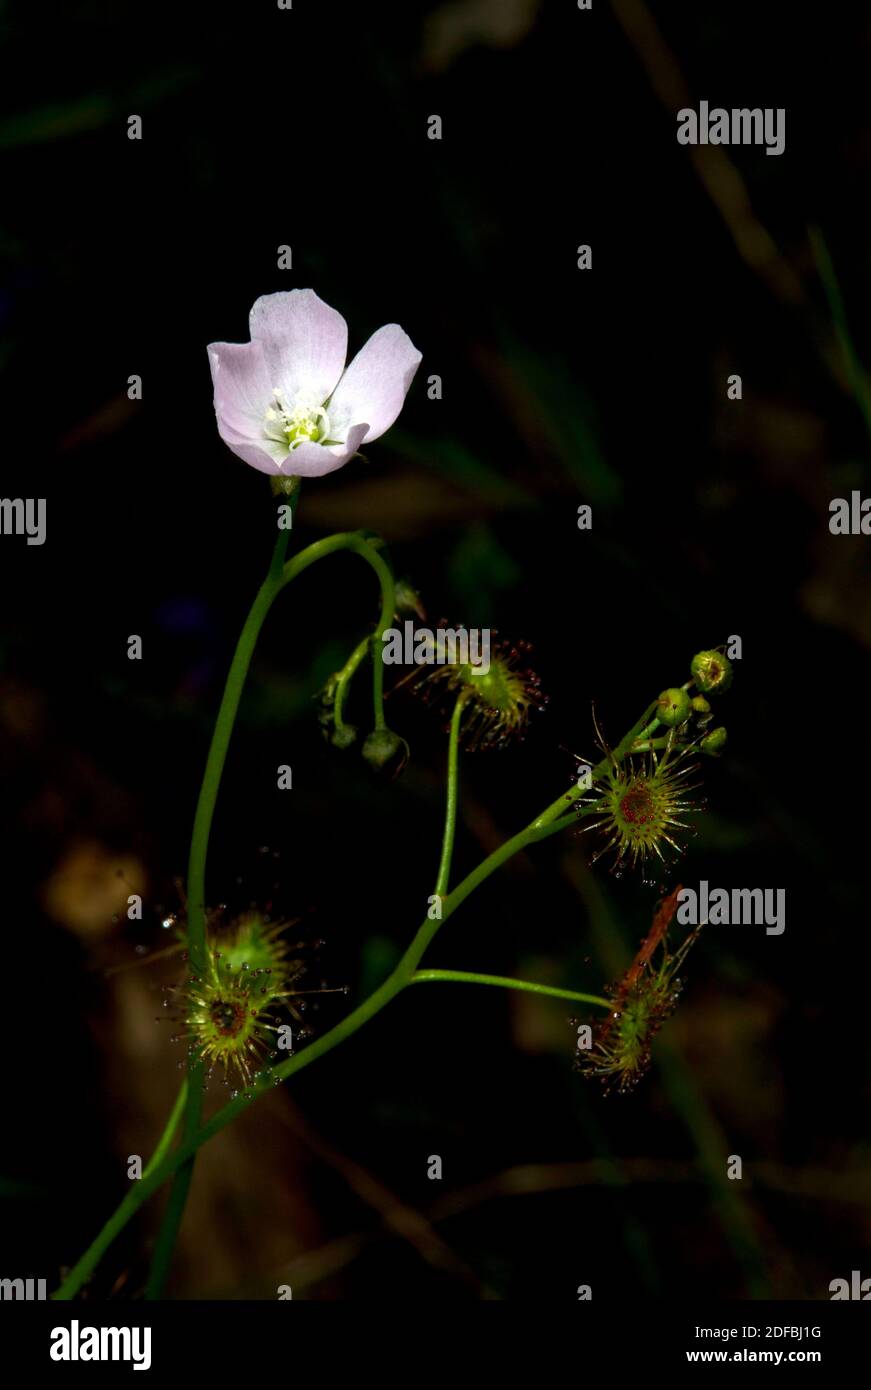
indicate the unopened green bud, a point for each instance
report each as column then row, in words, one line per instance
column 700, row 704
column 343, row 736
column 408, row 601
column 673, row 707
column 714, row 742
column 386, row 752
column 712, row 672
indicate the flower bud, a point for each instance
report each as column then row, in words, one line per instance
column 344, row 737
column 346, row 734
column 673, row 707
column 386, row 752
column 408, row 601
column 712, row 672
column 714, row 742
column 700, row 704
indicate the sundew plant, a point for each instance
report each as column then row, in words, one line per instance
column 435, row 522
column 291, row 406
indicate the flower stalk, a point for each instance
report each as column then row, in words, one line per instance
column 280, row 574
column 472, row 977
column 451, row 798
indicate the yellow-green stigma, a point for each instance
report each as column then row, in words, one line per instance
column 300, row 421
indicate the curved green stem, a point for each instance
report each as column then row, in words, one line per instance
column 507, row 982
column 280, row 574
column 450, row 829
column 346, row 675
column 354, row 541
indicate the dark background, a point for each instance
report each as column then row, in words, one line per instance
column 308, row 128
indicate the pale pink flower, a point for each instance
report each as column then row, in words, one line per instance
column 287, row 404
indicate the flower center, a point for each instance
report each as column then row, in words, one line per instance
column 300, row 421
column 638, row 806
column 227, row 1015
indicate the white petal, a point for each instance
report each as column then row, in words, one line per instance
column 314, row 460
column 304, row 342
column 376, row 383
column 242, row 389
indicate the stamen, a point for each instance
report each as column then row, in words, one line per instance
column 305, row 422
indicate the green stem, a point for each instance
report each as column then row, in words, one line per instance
column 444, row 872
column 377, row 647
column 280, row 574
column 553, row 818
column 178, row 1193
column 118, row 1220
column 196, row 880
column 343, row 1030
column 351, row 540
column 568, row 821
column 559, row 807
column 165, row 1139
column 346, row 675
column 507, row 982
column 646, row 732
column 196, row 890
